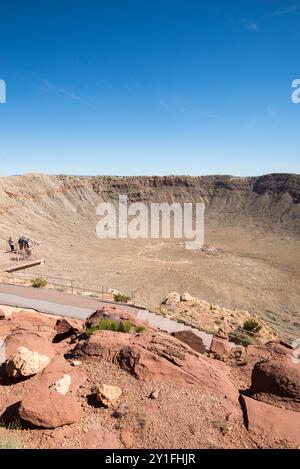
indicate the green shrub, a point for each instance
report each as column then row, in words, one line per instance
column 140, row 328
column 38, row 283
column 252, row 326
column 119, row 297
column 125, row 326
column 110, row 325
column 90, row 330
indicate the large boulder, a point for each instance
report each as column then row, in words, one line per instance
column 272, row 422
column 107, row 395
column 25, row 363
column 190, row 339
column 49, row 409
column 277, row 382
column 98, row 437
column 35, row 340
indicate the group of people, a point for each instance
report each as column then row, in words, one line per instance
column 24, row 243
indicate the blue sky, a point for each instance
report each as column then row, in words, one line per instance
column 149, row 86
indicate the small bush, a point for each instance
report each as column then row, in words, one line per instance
column 125, row 326
column 140, row 328
column 119, row 297
column 38, row 283
column 241, row 337
column 90, row 330
column 252, row 326
column 110, row 325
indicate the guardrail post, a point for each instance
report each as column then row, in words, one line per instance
column 72, row 287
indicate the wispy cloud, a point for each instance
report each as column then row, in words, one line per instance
column 178, row 103
column 52, row 89
column 252, row 26
column 286, row 11
column 245, row 23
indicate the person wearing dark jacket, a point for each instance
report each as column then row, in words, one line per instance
column 11, row 244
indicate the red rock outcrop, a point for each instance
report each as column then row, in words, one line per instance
column 272, row 422
column 277, row 382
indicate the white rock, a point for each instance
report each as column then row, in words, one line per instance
column 75, row 362
column 186, row 297
column 25, row 362
column 61, row 385
column 171, row 298
column 107, row 394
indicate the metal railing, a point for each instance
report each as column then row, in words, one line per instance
column 67, row 285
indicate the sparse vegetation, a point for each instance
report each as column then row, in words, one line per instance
column 110, row 325
column 252, row 326
column 246, row 335
column 244, row 362
column 241, row 337
column 38, row 283
column 120, row 297
column 221, row 425
column 10, row 439
column 140, row 328
column 142, row 419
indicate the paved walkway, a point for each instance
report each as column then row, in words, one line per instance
column 51, row 301
column 77, row 306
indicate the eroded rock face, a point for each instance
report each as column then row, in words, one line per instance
column 49, row 409
column 107, row 395
column 277, row 382
column 159, row 357
column 219, row 346
column 190, row 339
column 279, row 349
column 272, row 422
column 25, row 363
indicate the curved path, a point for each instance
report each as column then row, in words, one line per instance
column 76, row 306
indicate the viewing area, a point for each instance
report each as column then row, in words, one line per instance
column 11, row 261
